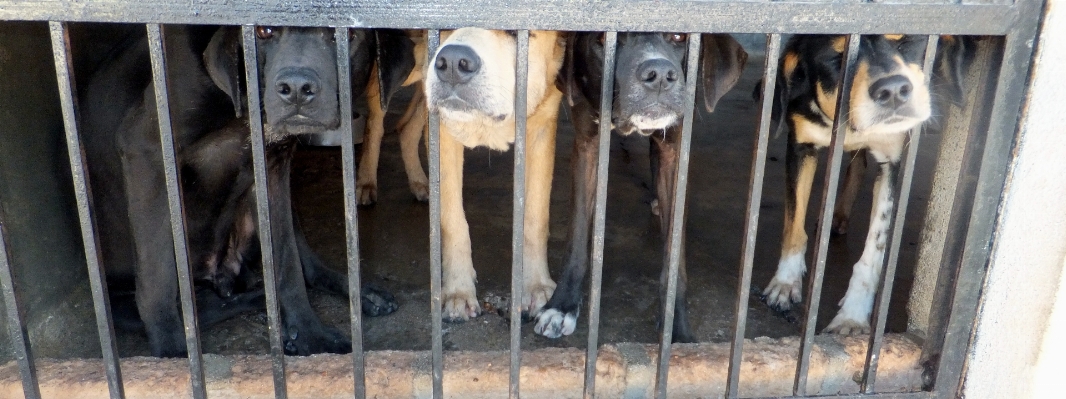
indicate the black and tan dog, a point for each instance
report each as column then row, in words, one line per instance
column 888, row 98
column 470, row 82
column 299, row 84
column 648, row 100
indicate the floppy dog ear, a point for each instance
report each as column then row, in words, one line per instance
column 396, row 59
column 722, row 60
column 222, row 58
column 952, row 59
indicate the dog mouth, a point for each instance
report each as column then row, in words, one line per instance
column 457, row 109
column 893, row 121
column 647, row 121
column 303, row 124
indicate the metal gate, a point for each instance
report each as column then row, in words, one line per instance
column 1014, row 22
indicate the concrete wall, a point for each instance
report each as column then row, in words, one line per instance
column 1015, row 340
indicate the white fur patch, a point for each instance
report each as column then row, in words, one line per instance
column 787, row 285
column 552, row 323
column 645, row 123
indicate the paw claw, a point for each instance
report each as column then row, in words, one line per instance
column 460, row 306
column 534, row 296
column 847, row 326
column 780, row 295
column 420, row 189
column 367, row 193
column 553, row 323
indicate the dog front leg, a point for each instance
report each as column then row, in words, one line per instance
column 415, row 119
column 855, row 307
column 539, row 163
column 458, row 275
column 787, row 286
column 559, row 316
column 366, row 191
column 852, row 183
column 666, row 184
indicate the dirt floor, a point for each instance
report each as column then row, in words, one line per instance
column 394, row 240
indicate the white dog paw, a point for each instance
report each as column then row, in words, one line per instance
column 780, row 295
column 552, row 323
column 460, row 305
column 845, row 325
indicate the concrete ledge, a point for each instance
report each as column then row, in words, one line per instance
column 624, row 370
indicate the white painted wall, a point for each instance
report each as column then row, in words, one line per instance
column 1017, row 351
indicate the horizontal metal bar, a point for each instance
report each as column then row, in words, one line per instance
column 16, row 328
column 262, row 208
column 588, row 15
column 899, row 395
column 82, row 194
column 432, row 42
column 518, row 222
column 177, row 211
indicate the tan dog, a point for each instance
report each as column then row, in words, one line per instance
column 470, row 82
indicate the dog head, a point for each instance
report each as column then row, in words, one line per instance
column 888, row 93
column 650, row 75
column 298, row 74
column 471, row 78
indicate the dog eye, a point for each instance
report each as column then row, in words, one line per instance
column 264, row 32
column 678, row 37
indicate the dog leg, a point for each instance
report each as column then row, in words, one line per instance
column 852, row 183
column 157, row 280
column 653, row 162
column 460, row 297
column 787, row 286
column 366, row 191
column 666, row 183
column 410, row 132
column 855, row 307
column 559, row 315
column 540, row 163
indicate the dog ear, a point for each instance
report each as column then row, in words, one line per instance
column 396, row 59
column 222, row 58
column 952, row 59
column 722, row 60
column 564, row 80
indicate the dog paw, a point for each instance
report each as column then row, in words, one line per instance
column 460, row 306
column 377, row 302
column 535, row 295
column 420, row 189
column 845, row 325
column 780, row 295
column 314, row 340
column 553, row 323
column 367, row 193
column 840, row 224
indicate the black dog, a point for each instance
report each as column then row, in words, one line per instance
column 204, row 67
column 648, row 99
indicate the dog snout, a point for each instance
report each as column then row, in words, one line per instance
column 457, row 64
column 297, row 86
column 892, row 91
column 657, row 74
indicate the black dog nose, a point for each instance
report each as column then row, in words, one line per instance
column 893, row 91
column 657, row 74
column 297, row 86
column 457, row 64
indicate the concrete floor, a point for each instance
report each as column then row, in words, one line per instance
column 394, row 241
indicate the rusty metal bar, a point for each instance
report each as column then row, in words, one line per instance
column 186, row 292
column 351, row 211
column 829, row 195
column 677, row 223
column 83, row 195
column 262, row 208
column 880, row 309
column 433, row 42
column 751, row 223
column 610, row 47
column 518, row 224
column 16, row 328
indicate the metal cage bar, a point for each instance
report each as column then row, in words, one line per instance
column 16, row 328
column 351, row 211
column 262, row 208
column 157, row 49
column 610, row 47
column 677, row 223
column 518, row 222
column 825, row 218
column 751, row 222
column 880, row 309
column 82, row 193
column 432, row 43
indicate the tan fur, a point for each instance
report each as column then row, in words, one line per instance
column 790, row 64
column 839, row 43
column 795, row 234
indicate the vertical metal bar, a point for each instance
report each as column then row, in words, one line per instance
column 751, row 223
column 518, row 224
column 351, row 210
column 83, row 195
column 432, row 43
column 610, row 47
column 980, row 236
column 880, row 311
column 16, row 329
column 829, row 192
column 177, row 211
column 677, row 223
column 262, row 208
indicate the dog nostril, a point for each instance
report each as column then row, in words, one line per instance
column 652, row 75
column 307, row 90
column 284, row 89
column 905, row 91
column 671, row 75
column 441, row 63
